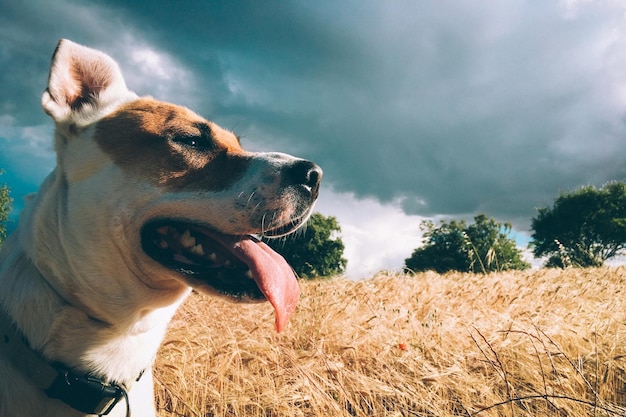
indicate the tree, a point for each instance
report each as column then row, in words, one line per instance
column 492, row 248
column 445, row 248
column 583, row 228
column 483, row 246
column 314, row 251
column 5, row 208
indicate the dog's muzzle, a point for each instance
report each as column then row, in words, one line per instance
column 240, row 266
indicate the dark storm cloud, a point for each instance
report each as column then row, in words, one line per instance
column 442, row 107
column 450, row 108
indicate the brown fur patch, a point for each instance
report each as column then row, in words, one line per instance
column 171, row 146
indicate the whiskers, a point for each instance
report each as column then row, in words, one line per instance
column 273, row 219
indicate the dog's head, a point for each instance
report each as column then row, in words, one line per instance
column 175, row 196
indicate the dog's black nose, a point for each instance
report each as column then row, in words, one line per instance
column 306, row 173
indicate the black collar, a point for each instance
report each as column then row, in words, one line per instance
column 83, row 392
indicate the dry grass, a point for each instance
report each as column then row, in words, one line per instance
column 537, row 343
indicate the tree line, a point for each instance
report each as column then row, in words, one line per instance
column 583, row 228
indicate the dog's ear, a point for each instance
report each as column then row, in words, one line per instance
column 83, row 83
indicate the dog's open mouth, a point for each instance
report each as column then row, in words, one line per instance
column 237, row 266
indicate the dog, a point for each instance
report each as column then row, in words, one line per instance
column 148, row 201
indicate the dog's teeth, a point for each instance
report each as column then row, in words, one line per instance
column 198, row 250
column 187, row 240
column 249, row 274
column 213, row 257
column 183, row 259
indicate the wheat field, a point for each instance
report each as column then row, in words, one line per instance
column 534, row 343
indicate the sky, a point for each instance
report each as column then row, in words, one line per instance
column 414, row 109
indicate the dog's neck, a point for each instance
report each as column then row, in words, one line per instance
column 64, row 333
column 55, row 320
column 83, row 392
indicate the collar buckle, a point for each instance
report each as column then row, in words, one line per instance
column 85, row 393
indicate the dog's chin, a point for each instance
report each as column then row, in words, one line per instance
column 209, row 260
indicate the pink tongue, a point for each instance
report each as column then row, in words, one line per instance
column 271, row 273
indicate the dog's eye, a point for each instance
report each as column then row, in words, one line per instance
column 187, row 141
column 196, row 142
